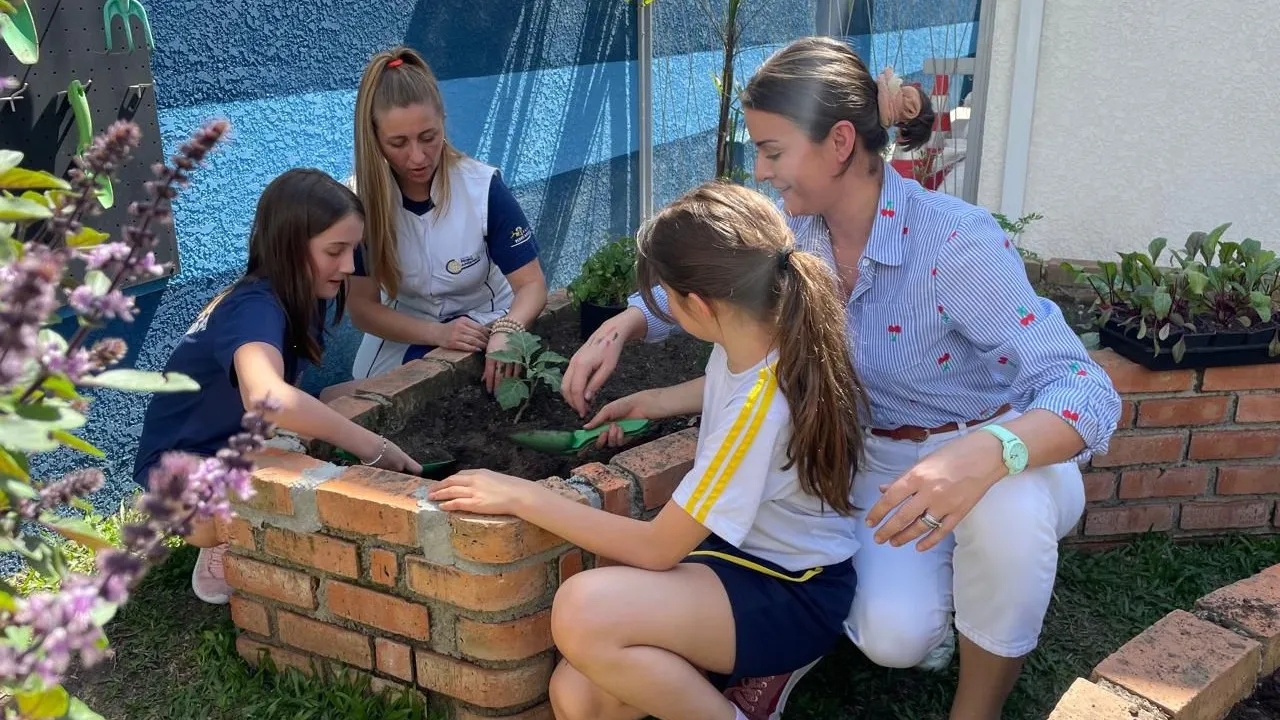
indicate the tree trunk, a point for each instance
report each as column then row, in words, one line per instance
column 726, row 87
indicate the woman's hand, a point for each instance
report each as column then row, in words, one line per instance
column 596, row 359
column 483, row 491
column 643, row 404
column 462, row 334
column 495, row 370
column 946, row 485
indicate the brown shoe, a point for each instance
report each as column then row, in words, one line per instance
column 765, row 698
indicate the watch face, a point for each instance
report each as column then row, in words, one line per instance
column 1017, row 455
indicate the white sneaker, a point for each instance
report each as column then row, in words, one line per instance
column 207, row 579
column 939, row 658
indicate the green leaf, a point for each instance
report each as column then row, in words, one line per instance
column 1142, row 329
column 76, row 443
column 1179, row 349
column 1273, row 348
column 511, row 392
column 9, row 159
column 1261, row 304
column 21, row 210
column 98, row 282
column 87, row 237
column 18, row 636
column 26, row 435
column 1091, row 341
column 75, row 529
column 1196, row 281
column 1195, row 241
column 38, row 198
column 552, row 378
column 523, row 344
column 61, row 387
column 9, row 466
column 43, row 557
column 82, row 505
column 19, row 178
column 551, row 356
column 7, row 603
column 1155, row 247
column 80, row 711
column 1162, row 303
column 1245, row 321
column 505, row 356
column 142, row 381
column 103, row 612
column 14, row 488
column 50, row 703
column 1164, row 332
column 52, row 340
column 40, row 412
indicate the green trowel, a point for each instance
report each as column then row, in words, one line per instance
column 434, row 470
column 105, row 192
column 570, row 441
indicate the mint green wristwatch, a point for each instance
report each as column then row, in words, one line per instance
column 1015, row 452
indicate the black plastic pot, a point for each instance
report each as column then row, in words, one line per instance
column 1261, row 334
column 591, row 316
column 1199, row 353
column 1230, row 338
column 1197, row 340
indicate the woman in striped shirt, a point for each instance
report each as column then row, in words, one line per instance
column 982, row 399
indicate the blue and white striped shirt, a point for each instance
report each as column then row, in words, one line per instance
column 944, row 326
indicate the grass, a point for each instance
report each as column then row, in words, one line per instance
column 175, row 656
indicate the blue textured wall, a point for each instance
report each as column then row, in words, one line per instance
column 543, row 89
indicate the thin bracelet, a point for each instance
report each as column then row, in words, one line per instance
column 381, row 452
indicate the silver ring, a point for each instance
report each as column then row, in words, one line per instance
column 931, row 521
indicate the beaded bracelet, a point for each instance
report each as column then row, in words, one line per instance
column 507, row 325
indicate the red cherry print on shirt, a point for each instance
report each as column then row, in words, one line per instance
column 1006, row 243
column 1071, row 415
column 934, row 272
column 904, row 229
column 944, row 358
column 1030, row 318
column 887, row 210
column 1003, row 360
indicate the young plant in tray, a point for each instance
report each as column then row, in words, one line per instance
column 537, row 366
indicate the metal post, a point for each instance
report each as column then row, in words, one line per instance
column 978, row 100
column 1022, row 100
column 644, row 105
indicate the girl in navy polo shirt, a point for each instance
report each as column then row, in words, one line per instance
column 449, row 259
column 251, row 341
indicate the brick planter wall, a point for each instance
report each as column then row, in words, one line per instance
column 352, row 568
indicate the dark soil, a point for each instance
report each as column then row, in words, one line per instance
column 471, row 427
column 1263, row 704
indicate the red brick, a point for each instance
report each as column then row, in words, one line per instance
column 324, row 639
column 614, row 487
column 1142, row 450
column 489, row 592
column 659, row 465
column 570, row 564
column 513, row 640
column 269, row 581
column 275, row 473
column 249, row 615
column 1248, row 479
column 394, row 658
column 1220, row 515
column 1128, row 411
column 1130, row 377
column 413, row 387
column 1131, row 519
column 369, row 501
column 497, row 539
column 361, row 411
column 384, row 568
column 485, row 687
column 237, row 533
column 1180, row 412
column 1247, row 377
column 1258, row 408
column 1250, row 605
column 1190, row 668
column 250, row 650
column 317, row 551
column 1167, row 482
column 1233, row 444
column 1099, row 486
column 377, row 610
column 1086, row 701
column 538, row 712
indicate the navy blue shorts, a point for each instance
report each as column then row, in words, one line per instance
column 779, row 625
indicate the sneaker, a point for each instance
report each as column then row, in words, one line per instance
column 207, row 579
column 939, row 658
column 765, row 698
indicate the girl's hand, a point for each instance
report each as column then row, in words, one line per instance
column 482, row 491
column 462, row 334
column 391, row 457
column 596, row 359
column 495, row 370
column 642, row 404
column 946, row 485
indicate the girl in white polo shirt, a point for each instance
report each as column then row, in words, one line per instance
column 747, row 570
column 449, row 259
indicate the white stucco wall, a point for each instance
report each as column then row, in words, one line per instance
column 1152, row 117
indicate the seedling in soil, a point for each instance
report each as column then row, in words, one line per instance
column 537, row 366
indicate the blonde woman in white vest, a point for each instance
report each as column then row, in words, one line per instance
column 449, row 259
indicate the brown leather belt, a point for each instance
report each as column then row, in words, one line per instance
column 915, row 433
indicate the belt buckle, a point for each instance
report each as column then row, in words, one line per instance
column 927, row 434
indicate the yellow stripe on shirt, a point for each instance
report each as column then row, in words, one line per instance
column 744, row 414
column 770, row 386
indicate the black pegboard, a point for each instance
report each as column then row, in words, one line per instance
column 41, row 124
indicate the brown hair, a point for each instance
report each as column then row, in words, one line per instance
column 295, row 207
column 382, row 88
column 816, row 82
column 727, row 243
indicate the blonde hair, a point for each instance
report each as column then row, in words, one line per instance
column 382, row 88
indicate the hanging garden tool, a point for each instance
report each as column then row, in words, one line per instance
column 434, row 470
column 19, row 31
column 568, row 442
column 125, row 9
column 105, row 193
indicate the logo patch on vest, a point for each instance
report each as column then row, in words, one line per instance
column 520, row 236
column 457, row 265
